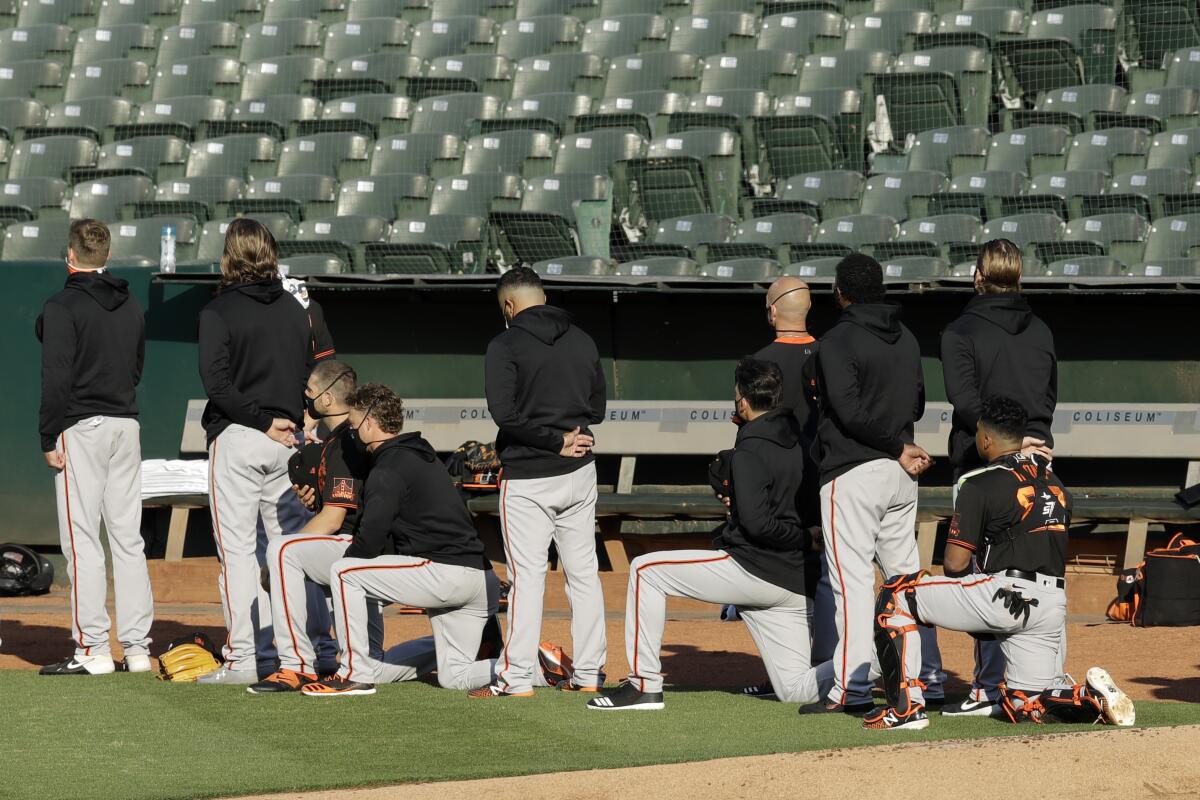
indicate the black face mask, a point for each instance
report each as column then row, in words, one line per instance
column 310, row 403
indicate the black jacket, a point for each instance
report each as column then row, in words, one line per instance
column 255, row 356
column 791, row 355
column 543, row 378
column 871, row 388
column 999, row 347
column 764, row 532
column 93, row 345
column 411, row 508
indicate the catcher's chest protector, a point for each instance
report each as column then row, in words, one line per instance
column 1046, row 510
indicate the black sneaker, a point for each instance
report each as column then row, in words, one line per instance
column 627, row 698
column 80, row 665
column 764, row 691
column 855, row 710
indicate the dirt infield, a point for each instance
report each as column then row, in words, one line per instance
column 1134, row 763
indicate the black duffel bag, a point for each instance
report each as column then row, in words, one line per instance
column 1170, row 585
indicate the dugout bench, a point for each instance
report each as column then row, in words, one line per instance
column 674, row 428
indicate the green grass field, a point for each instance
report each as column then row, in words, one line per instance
column 132, row 736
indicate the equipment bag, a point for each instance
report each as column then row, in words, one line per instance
column 1171, row 585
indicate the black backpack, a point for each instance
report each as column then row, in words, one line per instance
column 1162, row 591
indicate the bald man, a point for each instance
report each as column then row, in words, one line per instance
column 544, row 387
column 788, row 304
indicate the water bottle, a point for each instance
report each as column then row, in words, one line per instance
column 166, row 260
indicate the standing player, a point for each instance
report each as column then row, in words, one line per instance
column 871, row 393
column 1011, row 520
column 757, row 564
column 788, row 304
column 93, row 343
column 996, row 346
column 255, row 356
column 415, row 546
column 299, row 561
column 544, row 387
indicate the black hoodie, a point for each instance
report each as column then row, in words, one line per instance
column 255, row 356
column 93, row 344
column 997, row 347
column 543, row 378
column 764, row 533
column 871, row 388
column 410, row 507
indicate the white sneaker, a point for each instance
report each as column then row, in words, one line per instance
column 81, row 665
column 230, row 677
column 137, row 663
column 1118, row 708
column 973, row 708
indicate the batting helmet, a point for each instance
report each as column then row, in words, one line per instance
column 23, row 571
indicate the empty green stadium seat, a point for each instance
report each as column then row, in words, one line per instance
column 145, row 153
column 1143, row 190
column 40, row 79
column 1073, row 107
column 264, row 40
column 713, row 33
column 1171, row 106
column 487, row 72
column 301, row 195
column 624, row 34
column 741, row 270
column 106, row 79
column 934, row 235
column 546, row 224
column 41, row 197
column 390, row 196
column 903, row 194
column 431, row 244
column 36, row 42
column 809, row 133
column 693, row 230
column 1085, row 267
column 1167, row 268
column 337, row 154
column 1159, row 27
column 1070, row 186
column 99, row 115
column 199, row 75
column 936, row 149
column 837, row 193
column 453, row 113
column 276, row 115
column 51, row 156
column 182, row 42
column 137, row 12
column 802, row 32
column 584, row 9
column 856, row 231
column 891, row 31
column 283, row 75
column 240, row 11
column 756, row 69
column 243, row 155
column 978, row 193
column 20, row 112
column 644, row 112
column 842, row 69
column 1026, row 150
column 1179, row 148
column 1112, row 150
column 526, row 153
column 535, row 36
column 211, row 193
column 445, row 37
column 595, row 152
column 42, row 238
column 142, row 238
column 120, row 41
column 357, row 38
column 475, row 195
column 559, row 72
column 1173, row 237
column 914, row 268
column 352, row 231
column 660, row 70
column 573, row 266
column 657, row 267
column 55, row 12
column 1118, row 235
column 106, row 198
column 432, row 154
column 557, row 109
column 815, row 268
column 385, row 114
column 992, row 22
column 1024, row 230
column 937, row 88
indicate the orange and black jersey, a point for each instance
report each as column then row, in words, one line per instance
column 341, row 473
column 1013, row 514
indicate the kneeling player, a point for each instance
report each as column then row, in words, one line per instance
column 415, row 546
column 1012, row 516
column 758, row 563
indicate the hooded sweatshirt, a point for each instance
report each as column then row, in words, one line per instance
column 255, row 356
column 93, row 344
column 411, row 508
column 764, row 534
column 871, row 388
column 543, row 378
column 997, row 347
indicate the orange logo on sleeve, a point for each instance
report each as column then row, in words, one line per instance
column 343, row 489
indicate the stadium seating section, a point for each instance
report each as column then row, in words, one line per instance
column 730, row 140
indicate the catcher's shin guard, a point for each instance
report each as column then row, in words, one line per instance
column 896, row 615
column 1072, row 704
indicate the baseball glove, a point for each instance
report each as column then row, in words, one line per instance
column 188, row 658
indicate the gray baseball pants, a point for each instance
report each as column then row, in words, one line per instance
column 299, row 564
column 247, row 477
column 533, row 513
column 454, row 597
column 102, row 482
column 778, row 620
column 989, row 658
column 868, row 516
column 1032, row 646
